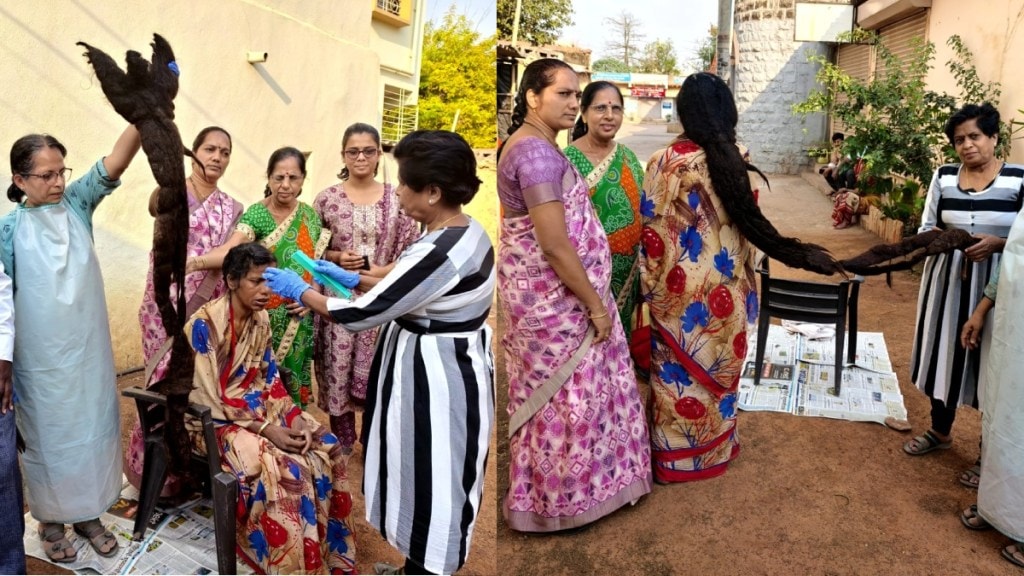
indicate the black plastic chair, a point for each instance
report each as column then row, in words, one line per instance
column 808, row 302
column 218, row 484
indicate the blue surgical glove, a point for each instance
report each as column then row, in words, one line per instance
column 286, row 283
column 337, row 273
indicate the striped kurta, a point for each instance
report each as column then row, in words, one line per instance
column 430, row 399
column 952, row 285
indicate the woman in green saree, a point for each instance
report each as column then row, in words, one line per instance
column 285, row 226
column 615, row 178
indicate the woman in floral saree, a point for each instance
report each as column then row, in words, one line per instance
column 701, row 221
column 285, row 226
column 615, row 178
column 293, row 495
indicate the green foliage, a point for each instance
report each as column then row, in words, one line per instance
column 659, row 58
column 895, row 124
column 458, row 77
column 540, row 21
column 609, row 65
column 705, row 52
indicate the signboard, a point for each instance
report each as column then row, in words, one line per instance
column 647, row 91
column 822, row 22
column 610, row 77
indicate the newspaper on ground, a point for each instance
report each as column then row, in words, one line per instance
column 178, row 541
column 798, row 378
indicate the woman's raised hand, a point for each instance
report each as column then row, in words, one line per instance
column 286, row 283
column 337, row 273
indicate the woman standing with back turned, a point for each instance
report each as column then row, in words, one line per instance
column 697, row 274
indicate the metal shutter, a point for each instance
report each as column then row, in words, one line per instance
column 855, row 60
column 897, row 37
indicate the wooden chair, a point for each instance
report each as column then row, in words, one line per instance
column 220, row 485
column 808, row 302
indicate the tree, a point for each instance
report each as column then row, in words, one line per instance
column 457, row 80
column 659, row 58
column 609, row 65
column 626, row 36
column 705, row 52
column 540, row 21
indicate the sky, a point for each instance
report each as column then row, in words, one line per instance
column 684, row 22
column 480, row 12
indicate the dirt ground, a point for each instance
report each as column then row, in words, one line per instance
column 806, row 495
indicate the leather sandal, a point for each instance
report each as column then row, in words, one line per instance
column 56, row 544
column 972, row 520
column 98, row 537
column 972, row 476
column 926, row 443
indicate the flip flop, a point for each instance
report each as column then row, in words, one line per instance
column 972, row 521
column 971, row 477
column 1018, row 547
column 98, row 537
column 925, row 443
column 55, row 542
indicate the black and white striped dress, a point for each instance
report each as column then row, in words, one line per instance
column 430, row 399
column 952, row 285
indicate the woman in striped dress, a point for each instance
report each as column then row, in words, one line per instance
column 430, row 399
column 981, row 195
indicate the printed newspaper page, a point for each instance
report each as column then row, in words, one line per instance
column 776, row 390
column 177, row 541
column 806, row 387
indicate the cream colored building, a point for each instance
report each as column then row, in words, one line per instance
column 328, row 63
column 990, row 29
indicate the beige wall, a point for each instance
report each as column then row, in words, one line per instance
column 996, row 38
column 321, row 75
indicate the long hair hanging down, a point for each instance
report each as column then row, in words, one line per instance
column 536, row 77
column 708, row 114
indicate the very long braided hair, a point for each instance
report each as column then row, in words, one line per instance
column 708, row 114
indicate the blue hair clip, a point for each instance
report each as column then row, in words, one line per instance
column 174, row 68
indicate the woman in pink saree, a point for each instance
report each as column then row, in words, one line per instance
column 578, row 443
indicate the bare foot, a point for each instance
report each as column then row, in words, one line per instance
column 898, row 425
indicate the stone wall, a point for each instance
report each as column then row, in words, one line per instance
column 772, row 74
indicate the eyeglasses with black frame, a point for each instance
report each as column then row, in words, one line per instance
column 51, row 177
column 353, row 153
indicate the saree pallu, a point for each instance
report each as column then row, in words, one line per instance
column 292, row 508
column 585, row 453
column 698, row 278
column 615, row 185
column 293, row 335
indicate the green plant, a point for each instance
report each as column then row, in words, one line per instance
column 895, row 123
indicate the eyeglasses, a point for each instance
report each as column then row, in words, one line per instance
column 603, row 108
column 51, row 177
column 280, row 178
column 353, row 153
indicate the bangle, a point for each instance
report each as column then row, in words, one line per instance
column 592, row 317
column 262, row 428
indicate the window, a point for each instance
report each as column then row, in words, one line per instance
column 398, row 13
column 399, row 116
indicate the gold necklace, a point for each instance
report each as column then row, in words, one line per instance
column 446, row 221
column 542, row 131
column 195, row 189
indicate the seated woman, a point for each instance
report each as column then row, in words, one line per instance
column 846, row 207
column 293, row 481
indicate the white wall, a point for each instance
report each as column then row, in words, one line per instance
column 322, row 74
